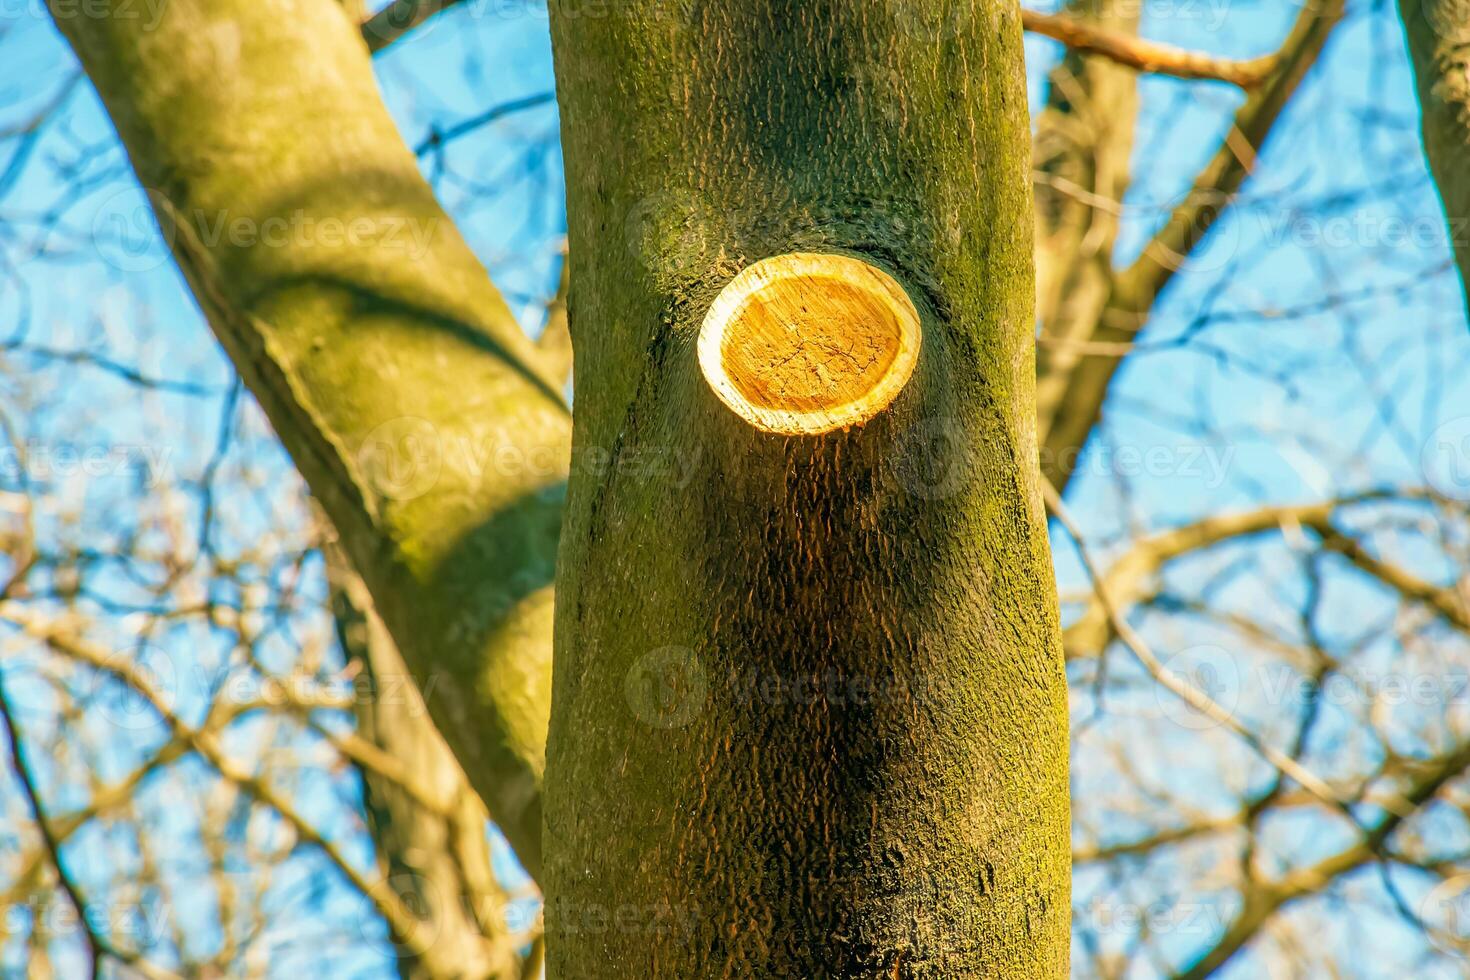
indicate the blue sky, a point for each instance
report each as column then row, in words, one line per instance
column 1315, row 399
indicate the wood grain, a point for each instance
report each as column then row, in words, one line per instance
column 804, row 343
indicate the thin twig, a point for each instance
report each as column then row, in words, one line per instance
column 96, row 945
column 439, row 138
column 1187, row 692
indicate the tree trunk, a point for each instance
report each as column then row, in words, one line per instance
column 1438, row 32
column 809, row 713
column 385, row 359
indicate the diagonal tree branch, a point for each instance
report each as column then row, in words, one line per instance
column 1438, row 36
column 427, row 825
column 1083, row 142
column 97, row 946
column 386, row 361
column 1129, row 578
column 1181, row 688
column 1446, row 602
column 1075, row 399
column 401, row 17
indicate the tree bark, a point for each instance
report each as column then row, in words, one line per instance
column 385, row 359
column 1438, row 34
column 809, row 714
column 428, row 825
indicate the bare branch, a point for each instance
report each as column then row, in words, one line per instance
column 397, row 19
column 1073, row 405
column 97, row 945
column 1181, row 688
column 1126, row 579
column 461, row 557
column 1147, row 56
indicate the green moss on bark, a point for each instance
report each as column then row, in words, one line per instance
column 723, row 798
column 385, row 359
